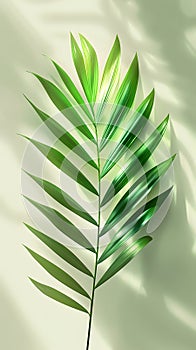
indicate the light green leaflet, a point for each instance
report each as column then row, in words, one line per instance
column 139, row 157
column 123, row 102
column 124, row 258
column 137, row 122
column 110, row 78
column 86, row 65
column 91, row 66
column 72, row 89
column 139, row 219
column 136, row 193
column 85, row 107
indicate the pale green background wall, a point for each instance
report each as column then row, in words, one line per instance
column 152, row 304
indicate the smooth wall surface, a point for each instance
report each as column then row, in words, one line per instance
column 150, row 305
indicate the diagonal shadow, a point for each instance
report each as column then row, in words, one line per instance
column 15, row 331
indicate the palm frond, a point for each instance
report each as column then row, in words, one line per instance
column 134, row 207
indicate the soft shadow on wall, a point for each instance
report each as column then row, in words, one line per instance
column 15, row 330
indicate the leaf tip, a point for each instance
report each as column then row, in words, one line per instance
column 30, row 72
column 27, row 198
column 162, row 127
column 71, row 37
column 167, row 117
column 152, row 93
column 117, row 40
column 26, row 225
column 136, row 59
column 174, row 156
column 82, row 37
column 24, row 245
column 32, row 280
column 22, row 135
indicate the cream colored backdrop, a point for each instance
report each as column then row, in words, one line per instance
column 152, row 304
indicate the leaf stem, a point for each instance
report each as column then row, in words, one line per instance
column 98, row 231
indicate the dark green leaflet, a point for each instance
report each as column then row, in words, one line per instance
column 62, row 163
column 139, row 190
column 63, row 135
column 137, row 123
column 139, row 219
column 138, row 159
column 110, row 77
column 58, row 273
column 63, row 224
column 80, row 68
column 58, row 296
column 60, row 250
column 63, row 198
column 124, row 258
column 123, row 101
column 91, row 65
column 64, row 106
column 72, row 89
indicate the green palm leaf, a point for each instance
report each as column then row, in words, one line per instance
column 62, row 103
column 135, row 206
column 91, row 65
column 63, row 198
column 79, row 63
column 123, row 101
column 62, row 163
column 137, row 123
column 63, row 224
column 58, row 273
column 138, row 220
column 136, row 193
column 61, row 251
column 110, row 78
column 138, row 159
column 58, row 296
column 64, row 136
column 124, row 258
column 72, row 89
